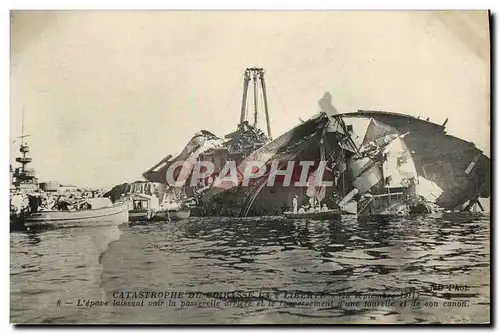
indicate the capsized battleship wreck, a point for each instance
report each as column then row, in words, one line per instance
column 383, row 163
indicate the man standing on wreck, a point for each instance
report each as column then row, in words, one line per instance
column 295, row 203
column 326, row 106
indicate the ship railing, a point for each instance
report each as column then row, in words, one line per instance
column 386, row 195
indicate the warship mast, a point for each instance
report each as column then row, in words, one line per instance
column 24, row 177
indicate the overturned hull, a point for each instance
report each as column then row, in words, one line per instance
column 457, row 167
column 319, row 139
column 429, row 167
column 385, row 162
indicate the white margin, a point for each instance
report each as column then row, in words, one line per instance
column 185, row 4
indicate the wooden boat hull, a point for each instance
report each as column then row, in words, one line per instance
column 331, row 214
column 176, row 215
column 116, row 214
column 136, row 215
column 142, row 215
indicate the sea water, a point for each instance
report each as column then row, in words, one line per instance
column 232, row 271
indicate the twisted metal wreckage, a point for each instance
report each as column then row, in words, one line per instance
column 407, row 166
column 379, row 163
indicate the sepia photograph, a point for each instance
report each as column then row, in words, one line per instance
column 250, row 167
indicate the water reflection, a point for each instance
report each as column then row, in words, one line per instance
column 33, row 238
column 223, row 254
column 226, row 255
column 56, row 265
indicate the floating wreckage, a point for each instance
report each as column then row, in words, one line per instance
column 366, row 162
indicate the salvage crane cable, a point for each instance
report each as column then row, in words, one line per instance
column 268, row 83
column 236, row 88
column 280, row 101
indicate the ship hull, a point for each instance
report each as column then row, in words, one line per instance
column 114, row 215
column 175, row 215
column 326, row 215
column 459, row 168
column 162, row 215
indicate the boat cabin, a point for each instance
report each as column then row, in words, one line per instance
column 139, row 202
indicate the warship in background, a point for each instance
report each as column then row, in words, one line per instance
column 35, row 204
column 380, row 163
column 22, row 177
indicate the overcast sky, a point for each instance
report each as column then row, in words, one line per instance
column 109, row 93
